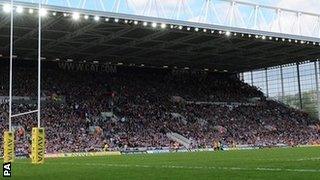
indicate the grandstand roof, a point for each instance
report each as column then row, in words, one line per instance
column 128, row 43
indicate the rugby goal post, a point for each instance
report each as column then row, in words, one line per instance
column 38, row 133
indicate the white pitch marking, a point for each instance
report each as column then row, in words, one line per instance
column 188, row 167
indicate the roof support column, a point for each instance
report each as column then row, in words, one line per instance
column 282, row 87
column 267, row 88
column 251, row 78
column 317, row 86
column 299, row 85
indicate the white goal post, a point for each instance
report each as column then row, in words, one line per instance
column 9, row 135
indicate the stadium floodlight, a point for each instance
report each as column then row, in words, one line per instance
column 107, row 19
column 19, row 9
column 86, row 17
column 154, row 25
column 163, row 25
column 116, row 20
column 263, row 37
column 277, row 39
column 96, row 18
column 135, row 22
column 228, row 33
column 296, row 41
column 7, row 8
column 196, row 29
column 283, row 39
column 204, row 30
column 43, row 12
column 145, row 24
column 75, row 16
column 270, row 38
column 289, row 40
column 31, row 11
column 235, row 34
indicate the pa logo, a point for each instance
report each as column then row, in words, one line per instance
column 7, row 169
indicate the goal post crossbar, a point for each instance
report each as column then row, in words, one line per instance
column 24, row 113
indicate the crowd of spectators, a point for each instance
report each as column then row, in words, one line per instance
column 142, row 111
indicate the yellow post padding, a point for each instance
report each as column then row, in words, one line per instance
column 38, row 145
column 8, row 145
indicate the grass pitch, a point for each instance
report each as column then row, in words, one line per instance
column 290, row 163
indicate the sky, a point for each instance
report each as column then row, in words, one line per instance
column 300, row 5
column 216, row 12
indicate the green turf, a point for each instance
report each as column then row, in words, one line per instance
column 291, row 163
